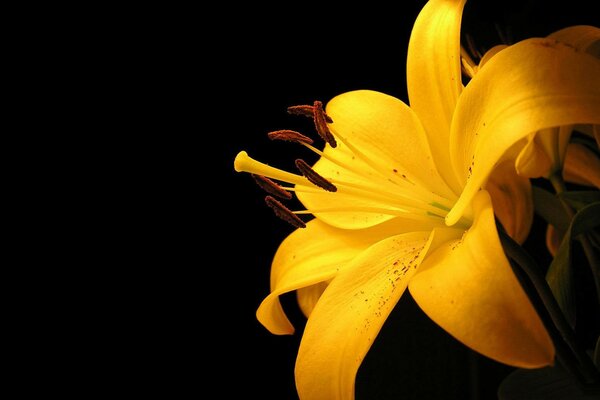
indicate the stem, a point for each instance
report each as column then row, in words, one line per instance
column 529, row 267
column 564, row 355
column 559, row 186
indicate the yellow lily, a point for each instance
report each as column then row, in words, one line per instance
column 403, row 205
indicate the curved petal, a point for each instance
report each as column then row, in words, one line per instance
column 308, row 297
column 315, row 254
column 533, row 161
column 491, row 53
column 350, row 314
column 544, row 152
column 532, row 85
column 583, row 37
column 512, row 200
column 468, row 288
column 387, row 132
column 582, row 166
column 434, row 77
column 564, row 136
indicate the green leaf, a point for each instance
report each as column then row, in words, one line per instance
column 587, row 142
column 550, row 383
column 560, row 279
column 548, row 207
column 586, row 219
column 595, row 238
column 580, row 199
column 560, row 274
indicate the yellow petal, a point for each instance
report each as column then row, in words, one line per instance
column 533, row 162
column 434, row 77
column 491, row 53
column 308, row 297
column 582, row 166
column 564, row 136
column 544, row 153
column 532, row 85
column 468, row 288
column 350, row 313
column 583, row 37
column 512, row 200
column 313, row 255
column 387, row 133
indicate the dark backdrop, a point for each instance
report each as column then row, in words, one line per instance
column 297, row 56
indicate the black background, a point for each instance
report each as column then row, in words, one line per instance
column 261, row 66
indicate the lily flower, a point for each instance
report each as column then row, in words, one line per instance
column 398, row 202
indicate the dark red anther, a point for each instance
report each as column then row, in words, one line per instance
column 321, row 124
column 284, row 213
column 314, row 177
column 306, row 111
column 289, row 136
column 271, row 187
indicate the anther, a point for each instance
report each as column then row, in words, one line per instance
column 306, row 111
column 315, row 178
column 321, row 124
column 271, row 187
column 289, row 136
column 284, row 213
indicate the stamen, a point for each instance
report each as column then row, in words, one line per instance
column 321, row 124
column 377, row 184
column 289, row 136
column 271, row 187
column 354, row 191
column 416, row 187
column 505, row 35
column 468, row 65
column 284, row 213
column 472, row 47
column 306, row 111
column 314, row 177
column 434, row 219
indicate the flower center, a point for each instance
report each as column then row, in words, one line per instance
column 373, row 189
